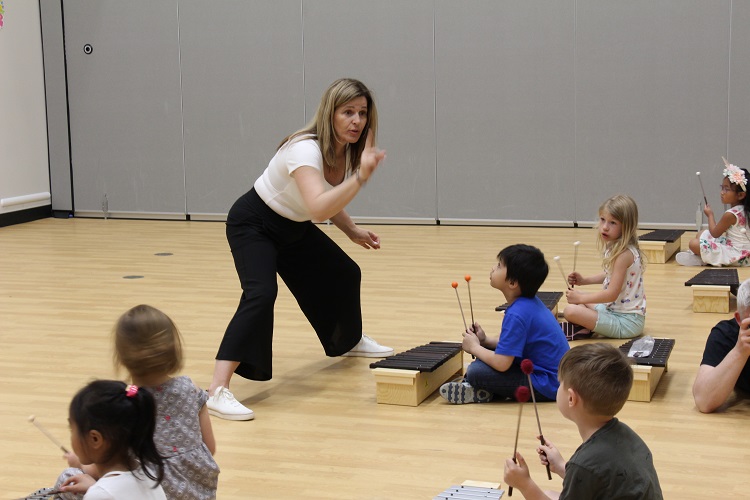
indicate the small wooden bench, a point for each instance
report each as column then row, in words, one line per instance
column 660, row 245
column 712, row 288
column 647, row 371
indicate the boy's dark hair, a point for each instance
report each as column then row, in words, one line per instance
column 600, row 374
column 526, row 266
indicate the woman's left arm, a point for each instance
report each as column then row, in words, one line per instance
column 358, row 235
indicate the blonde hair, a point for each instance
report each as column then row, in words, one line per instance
column 623, row 208
column 337, row 94
column 147, row 342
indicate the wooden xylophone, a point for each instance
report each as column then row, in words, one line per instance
column 549, row 299
column 407, row 378
column 711, row 289
column 648, row 370
column 660, row 245
column 425, row 358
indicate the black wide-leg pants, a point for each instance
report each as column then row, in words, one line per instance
column 321, row 276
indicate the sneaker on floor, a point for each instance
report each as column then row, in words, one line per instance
column 460, row 393
column 575, row 332
column 224, row 405
column 368, row 348
column 688, row 259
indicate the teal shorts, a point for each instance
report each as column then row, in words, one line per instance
column 618, row 325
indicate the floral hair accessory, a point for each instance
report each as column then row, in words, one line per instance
column 735, row 175
column 131, row 391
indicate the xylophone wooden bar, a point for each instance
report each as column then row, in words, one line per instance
column 647, row 371
column 660, row 245
column 711, row 289
column 409, row 377
column 550, row 299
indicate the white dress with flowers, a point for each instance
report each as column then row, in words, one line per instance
column 731, row 248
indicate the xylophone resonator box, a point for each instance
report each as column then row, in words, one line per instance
column 408, row 378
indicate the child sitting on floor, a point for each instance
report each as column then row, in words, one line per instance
column 613, row 461
column 529, row 331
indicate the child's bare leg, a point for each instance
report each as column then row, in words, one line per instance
column 581, row 315
column 695, row 246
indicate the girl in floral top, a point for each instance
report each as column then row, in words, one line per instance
column 726, row 242
column 619, row 309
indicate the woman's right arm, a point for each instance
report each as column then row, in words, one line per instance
column 324, row 204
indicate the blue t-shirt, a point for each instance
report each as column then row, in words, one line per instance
column 531, row 331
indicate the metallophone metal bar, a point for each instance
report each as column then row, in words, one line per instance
column 469, row 493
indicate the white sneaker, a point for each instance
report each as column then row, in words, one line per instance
column 368, row 348
column 688, row 259
column 223, row 405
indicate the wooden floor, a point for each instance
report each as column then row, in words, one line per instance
column 318, row 433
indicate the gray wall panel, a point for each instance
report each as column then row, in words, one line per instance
column 125, row 116
column 242, row 84
column 651, row 99
column 388, row 45
column 61, row 186
column 504, row 78
column 739, row 89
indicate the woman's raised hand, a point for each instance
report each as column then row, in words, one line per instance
column 371, row 158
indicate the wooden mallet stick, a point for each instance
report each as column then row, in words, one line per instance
column 471, row 306
column 576, row 244
column 702, row 190
column 455, row 287
column 39, row 426
column 556, row 258
column 522, row 395
column 527, row 366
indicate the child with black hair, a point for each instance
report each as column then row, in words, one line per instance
column 727, row 242
column 112, row 427
column 529, row 331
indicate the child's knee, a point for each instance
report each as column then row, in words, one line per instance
column 695, row 246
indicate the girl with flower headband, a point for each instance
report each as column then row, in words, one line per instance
column 112, row 429
column 619, row 309
column 726, row 242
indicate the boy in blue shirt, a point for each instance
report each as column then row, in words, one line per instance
column 529, row 331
